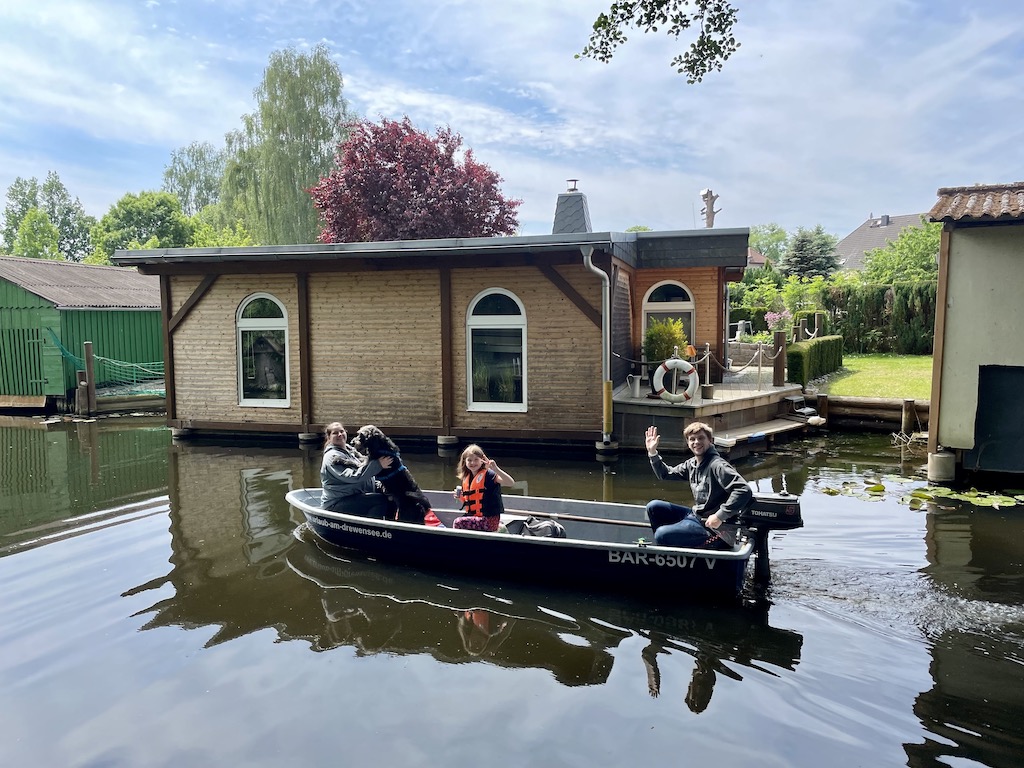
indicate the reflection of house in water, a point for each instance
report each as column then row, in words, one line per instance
column 974, row 561
column 58, row 471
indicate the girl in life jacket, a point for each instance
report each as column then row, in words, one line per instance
column 480, row 490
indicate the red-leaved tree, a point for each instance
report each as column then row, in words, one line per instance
column 393, row 182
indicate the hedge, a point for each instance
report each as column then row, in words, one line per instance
column 896, row 318
column 808, row 360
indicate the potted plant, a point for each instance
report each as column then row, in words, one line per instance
column 660, row 341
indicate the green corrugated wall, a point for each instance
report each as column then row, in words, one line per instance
column 32, row 365
column 125, row 335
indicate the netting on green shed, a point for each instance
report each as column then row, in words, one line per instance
column 118, row 377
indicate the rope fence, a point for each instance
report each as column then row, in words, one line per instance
column 118, row 377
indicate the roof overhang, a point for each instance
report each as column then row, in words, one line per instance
column 695, row 248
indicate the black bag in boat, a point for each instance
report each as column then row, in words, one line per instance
column 531, row 526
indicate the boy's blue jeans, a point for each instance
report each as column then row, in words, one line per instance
column 675, row 525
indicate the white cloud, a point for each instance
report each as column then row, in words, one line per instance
column 829, row 111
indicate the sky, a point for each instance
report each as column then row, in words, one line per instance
column 830, row 112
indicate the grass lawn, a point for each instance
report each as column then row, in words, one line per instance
column 899, row 376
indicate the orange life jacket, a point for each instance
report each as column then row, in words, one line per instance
column 473, row 493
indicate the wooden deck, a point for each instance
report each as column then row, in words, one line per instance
column 746, row 412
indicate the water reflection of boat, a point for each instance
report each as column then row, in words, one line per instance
column 379, row 610
column 375, row 608
column 604, row 547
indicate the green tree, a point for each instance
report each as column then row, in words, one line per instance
column 811, row 252
column 194, row 175
column 22, row 196
column 37, row 237
column 713, row 21
column 803, row 293
column 910, row 257
column 145, row 220
column 771, row 241
column 207, row 235
column 68, row 216
column 762, row 294
column 638, row 228
column 65, row 214
column 285, row 147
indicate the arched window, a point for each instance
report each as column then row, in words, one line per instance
column 262, row 337
column 669, row 300
column 496, row 352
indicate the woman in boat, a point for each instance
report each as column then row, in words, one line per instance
column 480, row 481
column 720, row 494
column 347, row 477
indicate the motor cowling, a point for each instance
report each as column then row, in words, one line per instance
column 773, row 511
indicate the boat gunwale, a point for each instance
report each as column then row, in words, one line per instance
column 743, row 552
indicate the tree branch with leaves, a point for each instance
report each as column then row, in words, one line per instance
column 712, row 20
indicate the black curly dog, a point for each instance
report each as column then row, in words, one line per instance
column 398, row 483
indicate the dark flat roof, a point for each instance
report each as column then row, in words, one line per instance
column 704, row 244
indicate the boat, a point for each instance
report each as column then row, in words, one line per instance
column 606, row 544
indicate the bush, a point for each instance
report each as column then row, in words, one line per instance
column 661, row 339
column 807, row 360
column 756, row 317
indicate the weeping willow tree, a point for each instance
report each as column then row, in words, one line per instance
column 285, row 147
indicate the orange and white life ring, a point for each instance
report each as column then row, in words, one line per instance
column 686, row 369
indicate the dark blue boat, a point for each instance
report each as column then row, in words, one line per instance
column 606, row 545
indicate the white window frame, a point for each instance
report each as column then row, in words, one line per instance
column 474, row 322
column 261, row 324
column 674, row 308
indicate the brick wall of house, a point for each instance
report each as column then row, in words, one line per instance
column 375, row 346
column 205, row 349
column 563, row 349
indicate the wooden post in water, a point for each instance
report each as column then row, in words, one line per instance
column 81, row 394
column 90, row 378
column 909, row 417
column 779, row 371
column 821, row 406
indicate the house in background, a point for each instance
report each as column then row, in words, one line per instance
column 975, row 421
column 499, row 338
column 47, row 307
column 873, row 233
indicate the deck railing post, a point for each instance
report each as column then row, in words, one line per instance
column 779, row 371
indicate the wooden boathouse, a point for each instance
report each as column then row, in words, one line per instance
column 49, row 309
column 478, row 339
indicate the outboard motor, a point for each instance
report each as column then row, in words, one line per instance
column 773, row 511
column 769, row 512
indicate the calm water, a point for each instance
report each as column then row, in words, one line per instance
column 161, row 605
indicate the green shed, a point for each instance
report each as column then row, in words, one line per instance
column 49, row 309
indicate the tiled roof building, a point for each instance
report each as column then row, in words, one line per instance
column 873, row 233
